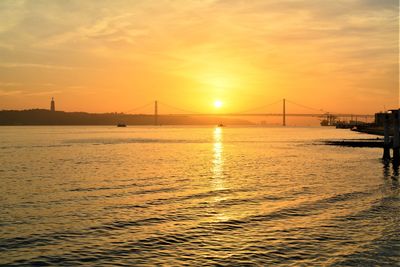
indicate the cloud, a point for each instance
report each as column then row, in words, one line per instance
column 9, row 84
column 43, row 93
column 33, row 65
column 42, row 66
column 289, row 43
column 10, row 92
column 26, row 93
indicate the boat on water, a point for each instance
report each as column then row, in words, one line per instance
column 121, row 125
column 220, row 125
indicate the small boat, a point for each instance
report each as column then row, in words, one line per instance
column 121, row 125
column 220, row 125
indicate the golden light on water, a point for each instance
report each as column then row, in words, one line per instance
column 218, row 160
column 217, row 180
column 218, row 154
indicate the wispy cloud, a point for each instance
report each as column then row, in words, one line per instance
column 291, row 45
column 33, row 65
column 45, row 66
column 10, row 92
column 43, row 93
column 9, row 84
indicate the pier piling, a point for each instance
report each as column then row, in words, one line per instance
column 396, row 135
column 386, row 144
column 284, row 112
column 155, row 113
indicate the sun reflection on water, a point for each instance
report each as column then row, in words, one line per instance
column 218, row 179
column 218, row 160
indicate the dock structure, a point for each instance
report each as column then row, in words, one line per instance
column 391, row 121
column 386, row 143
column 396, row 135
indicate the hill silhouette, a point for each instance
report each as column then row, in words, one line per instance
column 46, row 117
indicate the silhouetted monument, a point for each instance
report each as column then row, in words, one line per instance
column 52, row 105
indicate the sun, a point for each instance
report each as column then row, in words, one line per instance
column 218, row 103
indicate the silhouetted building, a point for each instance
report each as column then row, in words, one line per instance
column 52, row 105
column 380, row 118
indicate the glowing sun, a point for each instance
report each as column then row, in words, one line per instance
column 218, row 103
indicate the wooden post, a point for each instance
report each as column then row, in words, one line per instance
column 155, row 113
column 386, row 141
column 284, row 112
column 396, row 135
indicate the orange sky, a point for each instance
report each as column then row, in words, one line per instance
column 105, row 56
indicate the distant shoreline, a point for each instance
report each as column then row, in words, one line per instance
column 42, row 117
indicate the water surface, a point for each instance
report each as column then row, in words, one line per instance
column 145, row 196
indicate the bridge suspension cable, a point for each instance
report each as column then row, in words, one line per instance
column 307, row 107
column 268, row 105
column 179, row 109
column 140, row 107
column 243, row 112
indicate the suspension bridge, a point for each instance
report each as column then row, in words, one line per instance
column 254, row 112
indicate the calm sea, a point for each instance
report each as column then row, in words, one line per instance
column 145, row 196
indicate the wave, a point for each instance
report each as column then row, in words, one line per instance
column 133, row 140
column 207, row 238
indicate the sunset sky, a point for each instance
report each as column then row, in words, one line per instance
column 113, row 55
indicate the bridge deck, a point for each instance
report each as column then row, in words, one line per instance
column 269, row 114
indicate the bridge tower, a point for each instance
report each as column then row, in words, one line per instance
column 284, row 112
column 155, row 113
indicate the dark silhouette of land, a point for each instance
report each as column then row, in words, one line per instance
column 356, row 142
column 47, row 117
